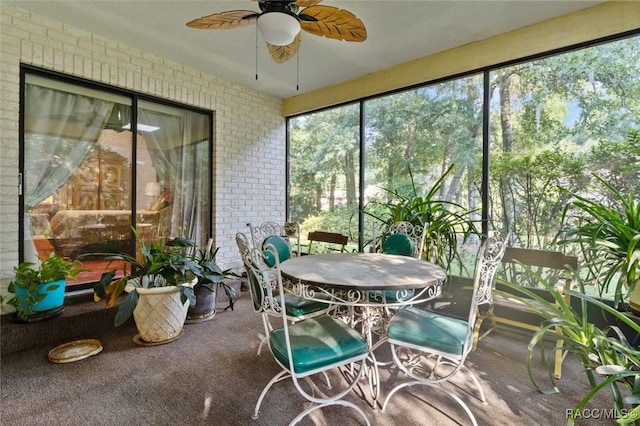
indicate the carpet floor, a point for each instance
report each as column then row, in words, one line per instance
column 213, row 376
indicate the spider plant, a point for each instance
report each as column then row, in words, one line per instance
column 608, row 237
column 446, row 221
column 605, row 351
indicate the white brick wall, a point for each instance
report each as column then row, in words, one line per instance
column 250, row 131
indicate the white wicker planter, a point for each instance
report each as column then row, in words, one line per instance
column 159, row 315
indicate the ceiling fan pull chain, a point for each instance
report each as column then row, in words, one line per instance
column 256, row 53
column 298, row 71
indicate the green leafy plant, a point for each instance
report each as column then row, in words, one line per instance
column 603, row 351
column 608, row 237
column 33, row 279
column 159, row 264
column 445, row 221
column 212, row 276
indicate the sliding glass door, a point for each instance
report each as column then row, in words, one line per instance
column 89, row 179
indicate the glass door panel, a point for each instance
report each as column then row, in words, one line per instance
column 173, row 173
column 77, row 172
column 94, row 167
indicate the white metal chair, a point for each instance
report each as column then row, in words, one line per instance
column 430, row 347
column 401, row 238
column 290, row 231
column 404, row 239
column 296, row 308
column 308, row 347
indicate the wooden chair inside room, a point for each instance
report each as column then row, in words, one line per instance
column 326, row 242
column 555, row 266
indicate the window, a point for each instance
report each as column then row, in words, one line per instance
column 324, row 157
column 88, row 178
column 554, row 123
column 547, row 123
column 415, row 137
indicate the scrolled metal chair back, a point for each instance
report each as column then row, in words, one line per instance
column 489, row 257
column 262, row 278
column 290, row 230
column 416, row 234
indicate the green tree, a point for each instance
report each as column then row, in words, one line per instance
column 324, row 151
column 554, row 121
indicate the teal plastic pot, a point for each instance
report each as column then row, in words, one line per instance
column 54, row 295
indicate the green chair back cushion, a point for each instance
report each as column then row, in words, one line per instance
column 299, row 306
column 399, row 244
column 257, row 293
column 281, row 246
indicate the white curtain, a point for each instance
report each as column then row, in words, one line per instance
column 61, row 129
column 179, row 151
column 193, row 198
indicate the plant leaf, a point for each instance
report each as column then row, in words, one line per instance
column 126, row 308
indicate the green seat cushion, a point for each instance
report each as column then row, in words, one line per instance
column 429, row 330
column 295, row 306
column 399, row 244
column 281, row 246
column 317, row 342
column 299, row 306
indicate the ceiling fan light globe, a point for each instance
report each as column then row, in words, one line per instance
column 278, row 28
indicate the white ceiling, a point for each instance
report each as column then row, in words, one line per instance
column 398, row 31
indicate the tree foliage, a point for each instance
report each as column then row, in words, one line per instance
column 552, row 123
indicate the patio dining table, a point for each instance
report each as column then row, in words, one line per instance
column 364, row 287
column 356, row 275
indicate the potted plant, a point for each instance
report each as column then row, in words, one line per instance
column 608, row 237
column 159, row 285
column 445, row 221
column 40, row 289
column 605, row 351
column 206, row 289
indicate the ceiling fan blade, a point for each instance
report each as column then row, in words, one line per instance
column 225, row 20
column 331, row 22
column 282, row 54
column 307, row 3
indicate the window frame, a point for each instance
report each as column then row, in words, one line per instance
column 135, row 98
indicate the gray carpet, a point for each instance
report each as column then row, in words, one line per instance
column 212, row 376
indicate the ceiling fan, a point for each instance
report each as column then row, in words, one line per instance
column 280, row 22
